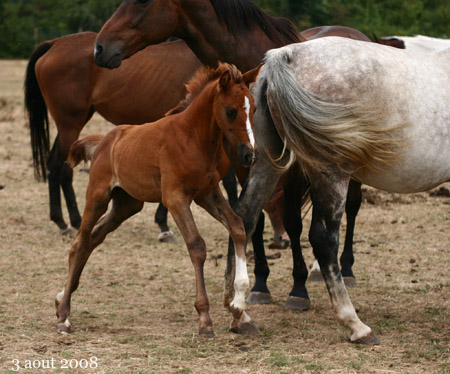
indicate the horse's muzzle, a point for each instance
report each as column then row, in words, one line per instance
column 106, row 59
column 246, row 155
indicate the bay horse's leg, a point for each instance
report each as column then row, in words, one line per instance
column 182, row 215
column 96, row 205
column 54, row 165
column 230, row 184
column 328, row 194
column 66, row 179
column 352, row 206
column 216, row 205
column 295, row 187
column 166, row 235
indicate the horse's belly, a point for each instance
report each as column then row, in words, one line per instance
column 409, row 175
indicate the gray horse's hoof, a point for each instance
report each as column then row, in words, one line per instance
column 369, row 339
column 259, row 298
column 297, row 303
column 315, row 276
column 350, row 282
column 167, row 237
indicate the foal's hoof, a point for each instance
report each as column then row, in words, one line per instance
column 259, row 298
column 167, row 237
column 206, row 332
column 350, row 282
column 245, row 328
column 315, row 276
column 68, row 231
column 297, row 303
column 369, row 339
column 63, row 327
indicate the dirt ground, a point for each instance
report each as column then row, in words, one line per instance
column 134, row 313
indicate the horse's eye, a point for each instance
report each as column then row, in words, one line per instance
column 231, row 113
column 142, row 1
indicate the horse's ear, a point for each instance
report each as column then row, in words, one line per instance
column 251, row 75
column 225, row 79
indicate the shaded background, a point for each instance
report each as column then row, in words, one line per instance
column 24, row 23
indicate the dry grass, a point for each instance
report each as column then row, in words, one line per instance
column 134, row 309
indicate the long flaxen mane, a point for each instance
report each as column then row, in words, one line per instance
column 200, row 80
column 240, row 15
column 322, row 133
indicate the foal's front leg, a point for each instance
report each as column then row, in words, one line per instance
column 328, row 194
column 179, row 208
column 216, row 205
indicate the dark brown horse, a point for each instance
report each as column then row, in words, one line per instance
column 236, row 31
column 176, row 160
column 62, row 76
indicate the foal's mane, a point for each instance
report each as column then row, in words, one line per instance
column 198, row 82
column 240, row 15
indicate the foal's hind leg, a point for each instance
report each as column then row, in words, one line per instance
column 124, row 206
column 178, row 206
column 215, row 204
column 328, row 194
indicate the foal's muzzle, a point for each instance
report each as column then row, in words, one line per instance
column 246, row 155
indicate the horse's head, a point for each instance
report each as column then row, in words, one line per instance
column 134, row 25
column 233, row 109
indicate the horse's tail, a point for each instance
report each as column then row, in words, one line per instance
column 83, row 149
column 322, row 133
column 37, row 114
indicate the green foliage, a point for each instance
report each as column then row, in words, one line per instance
column 24, row 23
column 29, row 22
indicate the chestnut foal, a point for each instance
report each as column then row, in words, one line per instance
column 175, row 160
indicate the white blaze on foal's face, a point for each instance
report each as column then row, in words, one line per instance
column 248, row 124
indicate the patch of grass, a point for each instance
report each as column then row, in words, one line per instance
column 278, row 359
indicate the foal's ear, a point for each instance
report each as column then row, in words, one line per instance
column 225, row 79
column 251, row 75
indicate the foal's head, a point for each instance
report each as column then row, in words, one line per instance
column 233, row 109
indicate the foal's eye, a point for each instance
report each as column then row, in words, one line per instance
column 142, row 1
column 231, row 113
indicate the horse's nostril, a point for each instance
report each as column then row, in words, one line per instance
column 98, row 50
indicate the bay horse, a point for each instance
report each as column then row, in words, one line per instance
column 175, row 160
column 239, row 32
column 63, row 78
column 417, row 43
column 347, row 109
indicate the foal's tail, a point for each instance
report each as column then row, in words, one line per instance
column 37, row 114
column 322, row 133
column 83, row 149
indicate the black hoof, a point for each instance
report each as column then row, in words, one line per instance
column 206, row 332
column 247, row 328
column 315, row 276
column 350, row 282
column 369, row 339
column 297, row 303
column 259, row 298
